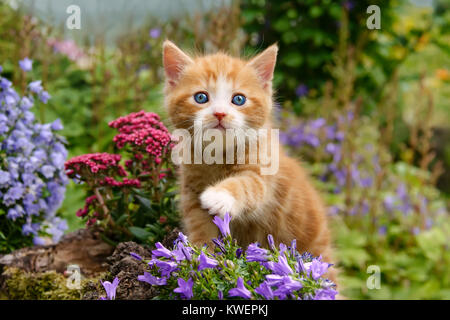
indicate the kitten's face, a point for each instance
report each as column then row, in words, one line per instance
column 220, row 91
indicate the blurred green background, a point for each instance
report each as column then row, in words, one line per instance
column 395, row 82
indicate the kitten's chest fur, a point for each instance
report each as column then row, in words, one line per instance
column 195, row 178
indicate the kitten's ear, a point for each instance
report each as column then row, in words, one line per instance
column 264, row 63
column 174, row 61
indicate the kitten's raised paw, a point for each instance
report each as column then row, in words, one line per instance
column 218, row 202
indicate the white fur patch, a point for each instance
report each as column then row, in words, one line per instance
column 220, row 95
column 218, row 202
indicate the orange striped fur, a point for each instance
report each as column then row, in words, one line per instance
column 286, row 204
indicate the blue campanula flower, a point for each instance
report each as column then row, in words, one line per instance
column 48, row 171
column 293, row 247
column 223, row 225
column 255, row 253
column 38, row 241
column 271, row 242
column 182, row 252
column 219, row 244
column 26, row 64
column 57, row 125
column 240, row 290
column 325, row 294
column 155, row 33
column 317, row 268
column 286, row 287
column 206, row 262
column 161, row 251
column 281, row 267
column 182, row 238
column 147, row 277
column 4, row 177
column 44, row 96
column 265, row 290
column 36, row 86
column 301, row 90
column 283, row 247
column 185, row 288
column 111, row 288
column 136, row 256
column 274, row 279
column 166, row 267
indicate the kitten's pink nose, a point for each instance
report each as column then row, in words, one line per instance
column 220, row 115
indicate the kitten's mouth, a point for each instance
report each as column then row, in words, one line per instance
column 220, row 127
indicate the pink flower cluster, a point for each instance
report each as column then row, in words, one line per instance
column 143, row 129
column 68, row 48
column 94, row 162
column 84, row 211
column 108, row 181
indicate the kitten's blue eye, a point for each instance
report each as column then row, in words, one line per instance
column 201, row 97
column 238, row 99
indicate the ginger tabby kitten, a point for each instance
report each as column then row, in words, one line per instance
column 230, row 93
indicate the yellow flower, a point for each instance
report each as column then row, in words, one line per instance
column 443, row 74
column 423, row 40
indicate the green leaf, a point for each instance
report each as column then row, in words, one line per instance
column 140, row 233
column 292, row 59
column 431, row 242
column 145, row 202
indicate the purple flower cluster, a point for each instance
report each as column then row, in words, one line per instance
column 311, row 133
column 283, row 273
column 352, row 167
column 32, row 156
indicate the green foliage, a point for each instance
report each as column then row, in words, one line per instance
column 308, row 33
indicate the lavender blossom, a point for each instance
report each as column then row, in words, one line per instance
column 185, row 288
column 325, row 294
column 166, row 267
column 265, row 290
column 317, row 268
column 240, row 290
column 136, row 256
column 161, row 251
column 223, row 225
column 206, row 262
column 281, row 267
column 286, row 287
column 301, row 90
column 155, row 281
column 26, row 64
column 155, row 33
column 111, row 288
column 271, row 242
column 255, row 253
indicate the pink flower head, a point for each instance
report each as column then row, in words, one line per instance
column 143, row 131
column 68, row 48
column 97, row 163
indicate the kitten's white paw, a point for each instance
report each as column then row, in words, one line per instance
column 218, row 202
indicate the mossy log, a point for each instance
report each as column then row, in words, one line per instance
column 83, row 247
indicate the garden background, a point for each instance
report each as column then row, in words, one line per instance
column 367, row 111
